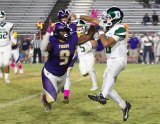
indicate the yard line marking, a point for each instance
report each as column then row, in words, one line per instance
column 3, row 105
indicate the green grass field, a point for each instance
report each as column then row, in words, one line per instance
column 138, row 84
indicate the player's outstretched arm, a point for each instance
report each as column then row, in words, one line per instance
column 106, row 41
column 92, row 18
column 45, row 45
column 13, row 37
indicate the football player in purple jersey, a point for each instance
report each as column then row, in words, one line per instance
column 63, row 16
column 61, row 47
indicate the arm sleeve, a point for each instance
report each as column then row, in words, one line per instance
column 13, row 39
column 120, row 33
column 44, row 42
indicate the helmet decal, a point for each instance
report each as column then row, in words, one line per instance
column 112, row 16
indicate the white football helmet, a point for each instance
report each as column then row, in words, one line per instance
column 81, row 26
column 111, row 17
column 2, row 17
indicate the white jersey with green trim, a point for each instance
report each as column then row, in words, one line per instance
column 119, row 49
column 5, row 34
column 84, row 48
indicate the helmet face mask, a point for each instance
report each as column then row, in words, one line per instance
column 61, row 31
column 81, row 27
column 2, row 17
column 112, row 16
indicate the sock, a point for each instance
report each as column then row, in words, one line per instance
column 92, row 74
column 67, row 86
column 12, row 64
column 114, row 95
column 19, row 66
column 107, row 84
column 66, row 93
column 1, row 74
column 15, row 69
column 6, row 76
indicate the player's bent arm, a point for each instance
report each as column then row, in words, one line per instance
column 45, row 42
column 13, row 39
column 86, row 37
column 89, row 19
column 94, row 44
column 107, row 41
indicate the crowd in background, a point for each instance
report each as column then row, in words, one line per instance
column 30, row 52
column 142, row 48
column 150, row 3
column 154, row 19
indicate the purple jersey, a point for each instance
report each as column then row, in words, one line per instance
column 61, row 54
column 73, row 27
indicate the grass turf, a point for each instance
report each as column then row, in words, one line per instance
column 138, row 84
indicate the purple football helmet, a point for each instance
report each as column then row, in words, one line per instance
column 61, row 27
column 62, row 13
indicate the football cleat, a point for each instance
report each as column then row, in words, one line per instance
column 125, row 111
column 47, row 106
column 66, row 100
column 99, row 98
column 94, row 88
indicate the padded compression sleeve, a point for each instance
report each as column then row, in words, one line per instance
column 45, row 42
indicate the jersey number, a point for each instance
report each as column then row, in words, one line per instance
column 82, row 48
column 3, row 35
column 108, row 49
column 64, row 56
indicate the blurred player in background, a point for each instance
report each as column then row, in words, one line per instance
column 85, row 67
column 63, row 16
column 156, row 40
column 86, row 56
column 61, row 47
column 6, row 39
column 16, row 63
column 113, row 39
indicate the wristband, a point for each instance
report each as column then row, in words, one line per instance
column 77, row 16
column 100, row 32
